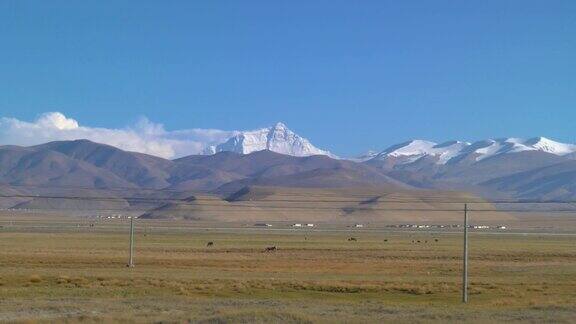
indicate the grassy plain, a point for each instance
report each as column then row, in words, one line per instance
column 65, row 271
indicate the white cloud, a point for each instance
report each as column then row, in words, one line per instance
column 145, row 136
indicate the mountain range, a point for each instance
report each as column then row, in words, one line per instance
column 276, row 157
column 280, row 139
column 454, row 151
column 494, row 168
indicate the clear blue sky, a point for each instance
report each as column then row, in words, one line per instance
column 349, row 75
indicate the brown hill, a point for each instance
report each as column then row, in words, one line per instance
column 338, row 205
column 43, row 167
column 555, row 182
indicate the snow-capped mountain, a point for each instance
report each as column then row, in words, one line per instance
column 278, row 139
column 411, row 151
column 550, row 146
column 444, row 153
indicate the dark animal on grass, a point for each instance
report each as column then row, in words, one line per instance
column 435, row 240
column 352, row 239
column 270, row 249
column 209, row 244
column 385, row 240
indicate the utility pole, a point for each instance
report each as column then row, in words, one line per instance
column 131, row 260
column 465, row 259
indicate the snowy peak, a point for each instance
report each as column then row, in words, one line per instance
column 489, row 148
column 414, row 150
column 411, row 148
column 547, row 145
column 281, row 127
column 277, row 138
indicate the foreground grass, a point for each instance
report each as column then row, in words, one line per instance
column 80, row 275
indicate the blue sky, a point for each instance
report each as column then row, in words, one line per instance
column 348, row 75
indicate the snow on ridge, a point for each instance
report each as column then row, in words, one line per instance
column 516, row 145
column 414, row 147
column 551, row 146
column 450, row 150
column 412, row 151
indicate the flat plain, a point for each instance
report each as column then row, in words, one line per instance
column 55, row 269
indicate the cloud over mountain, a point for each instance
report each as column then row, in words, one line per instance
column 151, row 138
column 144, row 136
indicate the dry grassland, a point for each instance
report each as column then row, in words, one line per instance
column 67, row 274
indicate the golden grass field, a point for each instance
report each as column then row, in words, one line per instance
column 64, row 271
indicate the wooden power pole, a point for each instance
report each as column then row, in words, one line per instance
column 131, row 259
column 465, row 258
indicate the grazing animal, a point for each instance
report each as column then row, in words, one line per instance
column 385, row 240
column 210, row 244
column 435, row 240
column 270, row 249
column 426, row 241
column 352, row 239
column 418, row 241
